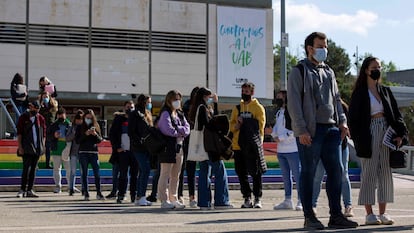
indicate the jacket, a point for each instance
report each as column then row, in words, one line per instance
column 360, row 118
column 70, row 137
column 51, row 132
column 287, row 141
column 24, row 131
column 301, row 101
column 88, row 143
column 137, row 129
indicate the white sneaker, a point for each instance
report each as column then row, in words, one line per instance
column 178, row 205
column 349, row 212
column 167, row 205
column 257, row 204
column 372, row 219
column 193, row 204
column 299, row 206
column 285, row 205
column 386, row 219
column 143, row 202
column 20, row 194
column 57, row 190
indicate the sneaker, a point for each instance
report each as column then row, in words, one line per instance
column 31, row 193
column 299, row 206
column 193, row 204
column 349, row 212
column 313, row 223
column 285, row 205
column 143, row 202
column 386, row 219
column 57, row 190
column 257, row 203
column 247, row 203
column 119, row 199
column 71, row 192
column 76, row 190
column 167, row 205
column 341, row 222
column 222, row 207
column 133, row 198
column 111, row 196
column 20, row 194
column 178, row 205
column 152, row 198
column 86, row 196
column 372, row 219
column 99, row 196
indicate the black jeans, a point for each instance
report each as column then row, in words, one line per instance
column 240, row 164
column 29, row 171
column 127, row 160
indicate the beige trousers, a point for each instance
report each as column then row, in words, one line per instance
column 169, row 178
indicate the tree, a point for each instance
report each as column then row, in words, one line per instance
column 290, row 62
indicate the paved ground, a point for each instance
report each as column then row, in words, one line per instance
column 62, row 213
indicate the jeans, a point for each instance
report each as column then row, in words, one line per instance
column 72, row 175
column 29, row 171
column 155, row 178
column 127, row 160
column 240, row 165
column 144, row 164
column 221, row 188
column 290, row 164
column 57, row 170
column 346, row 183
column 115, row 178
column 325, row 147
column 85, row 159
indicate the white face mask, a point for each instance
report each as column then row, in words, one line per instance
column 176, row 104
column 320, row 54
column 88, row 121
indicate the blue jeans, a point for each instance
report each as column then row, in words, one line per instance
column 221, row 190
column 346, row 183
column 325, row 147
column 85, row 159
column 72, row 174
column 290, row 164
column 144, row 165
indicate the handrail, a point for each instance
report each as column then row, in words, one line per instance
column 3, row 106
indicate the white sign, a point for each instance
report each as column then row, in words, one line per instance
column 241, row 43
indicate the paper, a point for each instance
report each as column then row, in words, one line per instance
column 388, row 138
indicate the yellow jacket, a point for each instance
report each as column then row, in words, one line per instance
column 253, row 109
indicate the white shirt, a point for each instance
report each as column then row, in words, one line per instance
column 376, row 106
column 287, row 141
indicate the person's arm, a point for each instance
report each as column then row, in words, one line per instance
column 166, row 126
column 114, row 134
column 261, row 118
column 234, row 123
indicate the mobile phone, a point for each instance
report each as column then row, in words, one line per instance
column 92, row 128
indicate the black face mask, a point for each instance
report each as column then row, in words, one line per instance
column 375, row 74
column 33, row 112
column 61, row 120
column 279, row 102
column 246, row 97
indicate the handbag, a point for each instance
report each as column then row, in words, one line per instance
column 154, row 141
column 66, row 151
column 196, row 151
column 398, row 159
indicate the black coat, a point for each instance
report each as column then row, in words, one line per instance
column 360, row 118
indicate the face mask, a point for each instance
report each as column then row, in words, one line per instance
column 279, row 102
column 33, row 112
column 61, row 120
column 209, row 101
column 128, row 111
column 320, row 54
column 88, row 121
column 246, row 97
column 46, row 100
column 375, row 74
column 148, row 106
column 176, row 104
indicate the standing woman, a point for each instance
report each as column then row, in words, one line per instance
column 214, row 165
column 46, row 85
column 373, row 108
column 175, row 127
column 48, row 109
column 19, row 95
column 88, row 138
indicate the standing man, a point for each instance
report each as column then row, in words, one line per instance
column 31, row 135
column 247, row 125
column 319, row 123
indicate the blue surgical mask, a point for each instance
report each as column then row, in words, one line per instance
column 209, row 100
column 320, row 54
column 88, row 121
column 148, row 106
column 46, row 100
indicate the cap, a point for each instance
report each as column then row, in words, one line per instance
column 35, row 104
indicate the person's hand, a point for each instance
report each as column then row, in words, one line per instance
column 92, row 132
column 239, row 123
column 57, row 134
column 21, row 150
column 344, row 131
column 276, row 139
column 215, row 98
column 119, row 150
column 397, row 141
column 305, row 139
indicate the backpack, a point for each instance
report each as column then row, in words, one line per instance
column 288, row 120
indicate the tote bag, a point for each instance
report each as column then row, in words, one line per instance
column 66, row 151
column 196, row 151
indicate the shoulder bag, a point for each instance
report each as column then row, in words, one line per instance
column 196, row 151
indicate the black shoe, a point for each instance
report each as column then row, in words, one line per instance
column 48, row 167
column 120, row 199
column 71, row 192
column 111, row 196
column 312, row 223
column 133, row 199
column 31, row 193
column 151, row 199
column 341, row 222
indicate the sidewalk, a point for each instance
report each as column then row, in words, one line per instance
column 63, row 213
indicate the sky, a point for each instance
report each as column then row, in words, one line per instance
column 384, row 29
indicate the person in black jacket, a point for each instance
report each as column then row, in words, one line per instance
column 122, row 157
column 372, row 109
column 88, row 138
column 19, row 94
